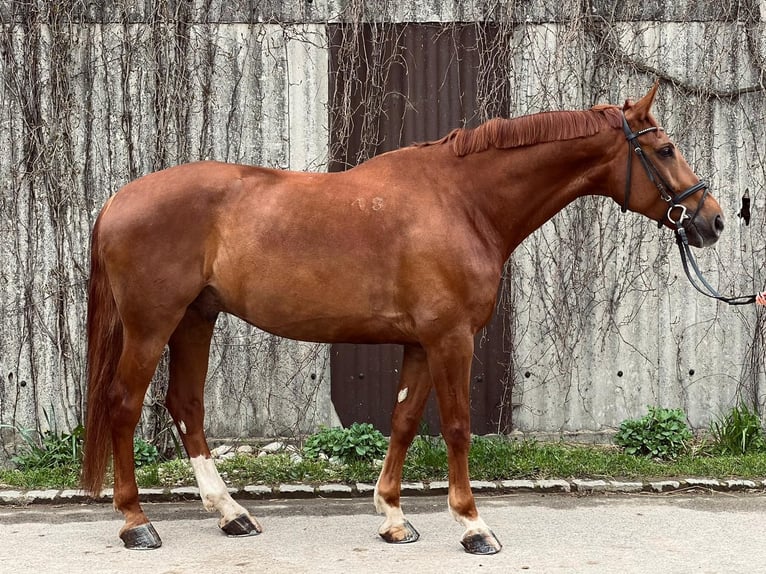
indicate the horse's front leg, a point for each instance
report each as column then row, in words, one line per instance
column 450, row 366
column 414, row 387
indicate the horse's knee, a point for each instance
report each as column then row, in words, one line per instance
column 404, row 427
column 457, row 434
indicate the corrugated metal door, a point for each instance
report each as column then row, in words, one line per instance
column 392, row 85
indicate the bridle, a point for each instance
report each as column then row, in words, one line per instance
column 675, row 204
column 674, row 200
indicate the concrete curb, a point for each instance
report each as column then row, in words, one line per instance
column 337, row 490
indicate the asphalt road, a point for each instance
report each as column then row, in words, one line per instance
column 553, row 533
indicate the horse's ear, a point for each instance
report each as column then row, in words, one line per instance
column 643, row 106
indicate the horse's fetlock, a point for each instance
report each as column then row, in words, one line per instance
column 463, row 509
column 210, row 503
column 383, row 499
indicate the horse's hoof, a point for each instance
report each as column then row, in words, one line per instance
column 400, row 534
column 242, row 525
column 143, row 537
column 481, row 543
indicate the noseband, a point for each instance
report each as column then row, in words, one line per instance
column 675, row 203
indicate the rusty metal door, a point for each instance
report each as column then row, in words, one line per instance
column 392, row 85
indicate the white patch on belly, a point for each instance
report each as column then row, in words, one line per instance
column 402, row 395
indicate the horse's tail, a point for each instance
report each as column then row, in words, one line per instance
column 104, row 350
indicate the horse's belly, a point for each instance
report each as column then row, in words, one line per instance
column 299, row 306
column 328, row 325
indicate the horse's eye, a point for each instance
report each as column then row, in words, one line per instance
column 667, row 151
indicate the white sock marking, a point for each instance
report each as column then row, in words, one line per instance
column 394, row 515
column 213, row 491
column 471, row 526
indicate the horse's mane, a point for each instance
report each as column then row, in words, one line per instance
column 529, row 130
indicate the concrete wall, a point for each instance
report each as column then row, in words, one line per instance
column 95, row 95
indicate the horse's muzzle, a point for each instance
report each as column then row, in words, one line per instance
column 704, row 231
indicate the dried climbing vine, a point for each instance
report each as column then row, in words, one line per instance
column 96, row 94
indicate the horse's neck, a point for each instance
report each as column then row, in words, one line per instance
column 521, row 189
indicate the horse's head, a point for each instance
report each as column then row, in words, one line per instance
column 660, row 184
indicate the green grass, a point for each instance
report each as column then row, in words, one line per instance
column 491, row 458
column 55, row 477
column 738, row 432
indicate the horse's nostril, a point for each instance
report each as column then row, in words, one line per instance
column 718, row 224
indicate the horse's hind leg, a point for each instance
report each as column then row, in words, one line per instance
column 189, row 350
column 414, row 387
column 140, row 355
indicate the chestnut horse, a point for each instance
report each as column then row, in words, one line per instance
column 406, row 248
